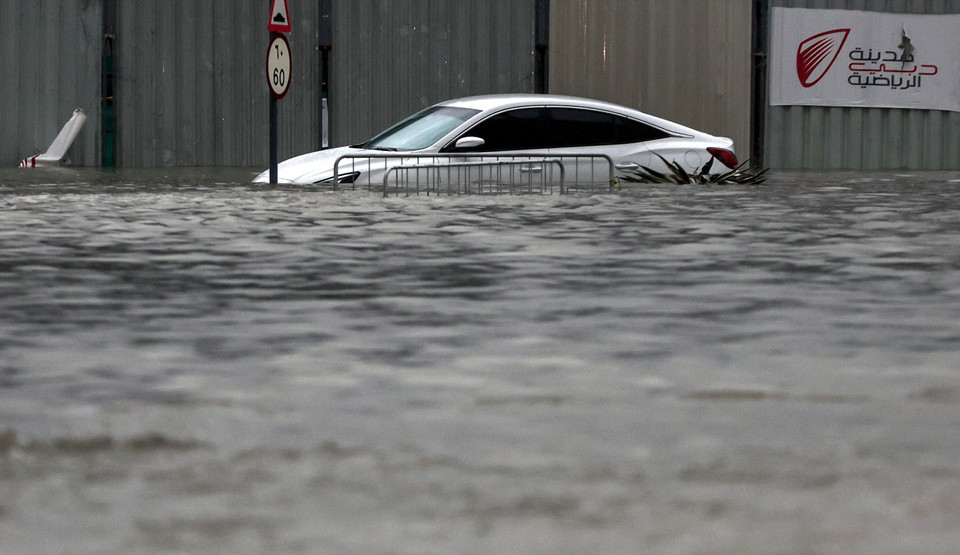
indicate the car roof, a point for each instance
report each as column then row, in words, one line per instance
column 493, row 101
column 502, row 101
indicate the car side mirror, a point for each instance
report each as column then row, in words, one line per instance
column 464, row 143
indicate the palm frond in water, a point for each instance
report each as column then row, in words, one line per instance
column 678, row 175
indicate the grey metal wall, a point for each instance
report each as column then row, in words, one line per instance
column 191, row 85
column 684, row 60
column 51, row 65
column 812, row 137
column 190, row 75
column 392, row 58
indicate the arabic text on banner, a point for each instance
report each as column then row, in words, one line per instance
column 865, row 59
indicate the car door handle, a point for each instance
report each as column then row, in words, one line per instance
column 531, row 169
column 628, row 166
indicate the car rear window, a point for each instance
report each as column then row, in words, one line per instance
column 571, row 127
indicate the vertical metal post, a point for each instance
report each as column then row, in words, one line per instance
column 324, row 98
column 274, row 156
column 108, row 121
column 274, row 153
column 541, row 36
column 758, row 91
column 326, row 45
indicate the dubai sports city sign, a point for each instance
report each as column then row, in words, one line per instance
column 864, row 59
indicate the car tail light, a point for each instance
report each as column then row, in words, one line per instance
column 726, row 157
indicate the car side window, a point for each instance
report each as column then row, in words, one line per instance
column 572, row 127
column 633, row 131
column 545, row 128
column 520, row 129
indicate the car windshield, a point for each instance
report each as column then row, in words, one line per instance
column 421, row 129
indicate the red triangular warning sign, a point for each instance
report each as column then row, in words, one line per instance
column 279, row 17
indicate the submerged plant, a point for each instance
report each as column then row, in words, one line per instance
column 680, row 176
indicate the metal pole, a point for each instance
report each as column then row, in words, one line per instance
column 108, row 121
column 758, row 89
column 541, row 41
column 326, row 45
column 274, row 155
column 273, row 140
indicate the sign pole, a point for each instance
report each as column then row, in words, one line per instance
column 278, row 79
column 279, row 68
column 274, row 156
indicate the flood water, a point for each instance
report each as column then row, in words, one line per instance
column 192, row 363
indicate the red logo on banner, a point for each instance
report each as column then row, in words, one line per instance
column 816, row 55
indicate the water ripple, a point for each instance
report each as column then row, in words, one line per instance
column 207, row 364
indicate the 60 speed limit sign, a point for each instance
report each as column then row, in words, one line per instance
column 278, row 66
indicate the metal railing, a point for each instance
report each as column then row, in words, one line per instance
column 465, row 178
column 485, row 174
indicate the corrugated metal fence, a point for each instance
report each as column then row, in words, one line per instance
column 190, row 86
column 810, row 137
column 684, row 60
column 391, row 59
column 51, row 65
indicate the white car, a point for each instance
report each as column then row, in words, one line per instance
column 483, row 127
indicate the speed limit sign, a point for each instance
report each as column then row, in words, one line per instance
column 278, row 66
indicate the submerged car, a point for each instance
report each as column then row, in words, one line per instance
column 485, row 127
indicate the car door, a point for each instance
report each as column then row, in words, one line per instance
column 575, row 133
column 514, row 137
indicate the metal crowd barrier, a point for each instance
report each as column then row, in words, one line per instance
column 464, row 178
column 540, row 172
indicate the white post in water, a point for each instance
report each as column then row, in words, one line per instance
column 60, row 145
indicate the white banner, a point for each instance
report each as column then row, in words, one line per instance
column 865, row 59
